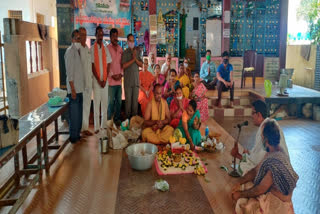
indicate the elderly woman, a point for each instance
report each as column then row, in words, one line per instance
column 152, row 62
column 190, row 123
column 273, row 179
column 159, row 78
column 170, row 86
column 199, row 95
column 177, row 106
column 145, row 92
column 184, row 80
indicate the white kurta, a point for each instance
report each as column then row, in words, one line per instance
column 257, row 153
column 100, row 95
column 87, row 68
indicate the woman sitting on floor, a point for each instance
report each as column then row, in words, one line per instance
column 184, row 80
column 199, row 95
column 170, row 86
column 177, row 106
column 145, row 92
column 273, row 179
column 190, row 123
column 159, row 78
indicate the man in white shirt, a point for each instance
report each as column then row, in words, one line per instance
column 75, row 86
column 101, row 60
column 166, row 66
column 87, row 68
column 257, row 153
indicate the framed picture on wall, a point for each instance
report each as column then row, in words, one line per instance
column 195, row 23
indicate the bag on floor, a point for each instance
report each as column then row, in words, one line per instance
column 116, row 138
column 9, row 131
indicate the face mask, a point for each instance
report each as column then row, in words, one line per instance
column 208, row 57
column 225, row 61
column 131, row 45
column 180, row 98
column 185, row 65
column 77, row 45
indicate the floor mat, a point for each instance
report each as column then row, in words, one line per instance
column 137, row 195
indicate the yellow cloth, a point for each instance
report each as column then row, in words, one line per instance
column 158, row 113
column 185, row 80
column 161, row 135
column 157, row 137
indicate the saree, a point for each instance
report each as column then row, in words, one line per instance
column 174, row 106
column 194, row 133
column 185, row 80
column 167, row 87
column 284, row 180
column 146, row 80
column 198, row 94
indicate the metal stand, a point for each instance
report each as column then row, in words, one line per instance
column 234, row 172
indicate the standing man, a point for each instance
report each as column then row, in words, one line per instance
column 208, row 72
column 87, row 69
column 166, row 66
column 101, row 59
column 152, row 62
column 115, row 78
column 75, row 86
column 225, row 78
column 131, row 62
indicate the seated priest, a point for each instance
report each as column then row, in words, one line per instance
column 157, row 118
column 268, row 187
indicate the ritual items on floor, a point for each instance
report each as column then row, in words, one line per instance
column 173, row 163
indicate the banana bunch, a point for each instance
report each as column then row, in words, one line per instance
column 199, row 170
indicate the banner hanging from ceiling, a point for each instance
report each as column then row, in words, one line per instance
column 106, row 13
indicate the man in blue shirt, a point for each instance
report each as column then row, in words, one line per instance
column 225, row 79
column 208, row 72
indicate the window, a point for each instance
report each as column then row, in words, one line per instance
column 195, row 23
column 15, row 14
column 34, row 56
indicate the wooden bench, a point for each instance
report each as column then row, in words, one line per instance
column 33, row 125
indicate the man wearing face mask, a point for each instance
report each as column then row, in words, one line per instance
column 75, row 86
column 254, row 156
column 101, row 59
column 208, row 72
column 225, row 79
column 131, row 62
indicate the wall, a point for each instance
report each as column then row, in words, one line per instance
column 29, row 9
column 304, row 71
column 33, row 88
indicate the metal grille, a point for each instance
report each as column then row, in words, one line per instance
column 15, row 14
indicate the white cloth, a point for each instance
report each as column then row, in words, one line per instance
column 87, row 93
column 74, row 69
column 257, row 153
column 109, row 59
column 100, row 96
column 164, row 68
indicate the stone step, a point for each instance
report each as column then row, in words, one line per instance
column 237, row 110
column 243, row 101
column 226, row 94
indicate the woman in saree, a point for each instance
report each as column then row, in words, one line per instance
column 177, row 106
column 199, row 95
column 184, row 80
column 170, row 86
column 159, row 78
column 269, row 186
column 145, row 92
column 189, row 125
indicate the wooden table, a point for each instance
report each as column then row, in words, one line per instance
column 34, row 124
